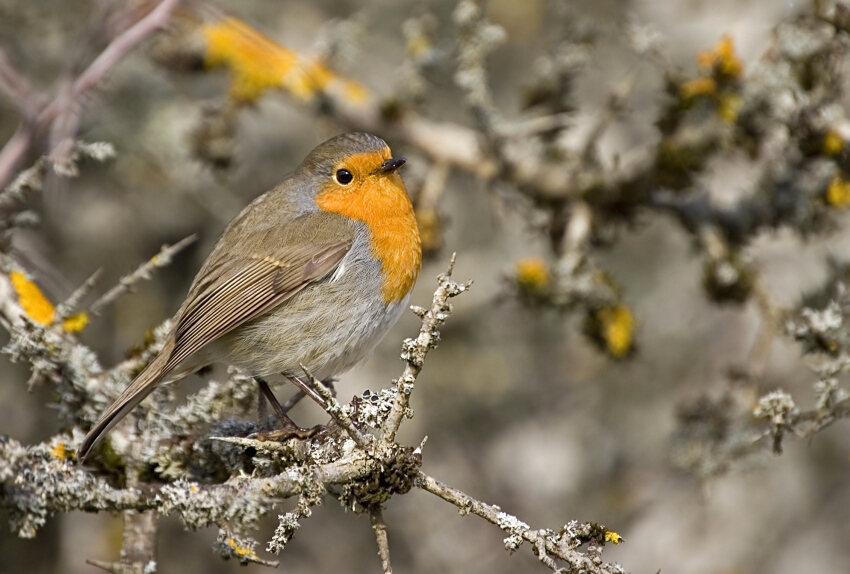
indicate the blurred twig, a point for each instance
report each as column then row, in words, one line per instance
column 144, row 271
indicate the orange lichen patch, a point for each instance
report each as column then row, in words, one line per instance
column 381, row 202
column 838, row 193
column 613, row 537
column 242, row 551
column 617, row 328
column 698, row 87
column 722, row 59
column 419, row 46
column 32, row 300
column 728, row 106
column 532, row 274
column 258, row 64
column 75, row 323
column 833, row 143
column 39, row 308
column 59, row 451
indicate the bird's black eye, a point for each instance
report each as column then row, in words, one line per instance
column 344, row 176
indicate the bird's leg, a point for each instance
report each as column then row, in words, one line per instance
column 299, row 394
column 306, row 389
column 290, row 429
column 262, row 412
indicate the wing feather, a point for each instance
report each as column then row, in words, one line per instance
column 239, row 289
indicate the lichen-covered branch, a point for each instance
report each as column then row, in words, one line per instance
column 545, row 543
column 415, row 350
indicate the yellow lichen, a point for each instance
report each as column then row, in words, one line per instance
column 32, row 300
column 611, row 536
column 722, row 59
column 728, row 106
column 39, row 308
column 617, row 328
column 59, row 451
column 532, row 274
column 242, row 551
column 833, row 143
column 258, row 64
column 75, row 323
column 698, row 87
column 838, row 193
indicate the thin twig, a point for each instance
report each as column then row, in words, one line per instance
column 376, row 517
column 577, row 561
column 18, row 88
column 161, row 259
column 337, row 413
column 71, row 304
column 14, row 151
column 771, row 318
column 120, row 47
column 414, row 351
column 17, row 147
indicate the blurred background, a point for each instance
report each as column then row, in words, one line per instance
column 520, row 409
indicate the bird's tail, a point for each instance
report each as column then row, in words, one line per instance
column 144, row 383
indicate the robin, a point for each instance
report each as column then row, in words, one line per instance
column 313, row 273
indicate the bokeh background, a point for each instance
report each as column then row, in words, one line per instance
column 519, row 408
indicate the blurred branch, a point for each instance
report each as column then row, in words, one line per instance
column 376, row 517
column 161, row 259
column 25, row 98
column 59, row 115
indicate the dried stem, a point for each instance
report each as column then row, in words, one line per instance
column 161, row 259
column 376, row 517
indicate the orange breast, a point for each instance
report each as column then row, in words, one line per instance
column 382, row 203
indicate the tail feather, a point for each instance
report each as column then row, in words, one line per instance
column 143, row 385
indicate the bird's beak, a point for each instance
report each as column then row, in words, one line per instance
column 392, row 164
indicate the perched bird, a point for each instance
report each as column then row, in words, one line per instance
column 313, row 273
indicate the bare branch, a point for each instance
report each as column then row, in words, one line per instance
column 161, row 259
column 376, row 517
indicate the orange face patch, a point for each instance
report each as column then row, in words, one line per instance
column 381, row 202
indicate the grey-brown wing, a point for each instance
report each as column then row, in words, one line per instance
column 237, row 288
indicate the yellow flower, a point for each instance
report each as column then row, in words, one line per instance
column 833, row 143
column 32, row 300
column 617, row 327
column 59, row 451
column 39, row 308
column 838, row 193
column 727, row 106
column 698, row 87
column 613, row 537
column 728, row 63
column 532, row 274
column 241, row 551
column 75, row 323
column 258, row 64
column 722, row 59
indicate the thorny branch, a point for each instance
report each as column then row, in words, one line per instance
column 41, row 479
column 563, row 545
column 208, row 471
column 40, row 116
column 161, row 259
